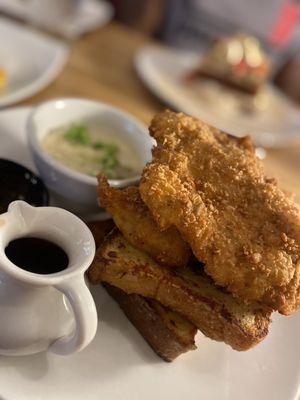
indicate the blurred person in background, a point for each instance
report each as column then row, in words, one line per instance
column 193, row 24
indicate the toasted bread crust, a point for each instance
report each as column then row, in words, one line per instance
column 168, row 333
column 217, row 314
column 152, row 321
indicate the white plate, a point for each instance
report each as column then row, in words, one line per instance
column 119, row 365
column 91, row 14
column 32, row 61
column 163, row 70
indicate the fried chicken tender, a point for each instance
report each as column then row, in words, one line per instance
column 212, row 188
column 134, row 220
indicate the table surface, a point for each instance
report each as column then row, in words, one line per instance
column 101, row 67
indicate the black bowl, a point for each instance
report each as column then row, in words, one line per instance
column 19, row 183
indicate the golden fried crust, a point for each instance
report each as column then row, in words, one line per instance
column 217, row 314
column 134, row 220
column 212, row 188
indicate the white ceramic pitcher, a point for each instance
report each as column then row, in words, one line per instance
column 55, row 311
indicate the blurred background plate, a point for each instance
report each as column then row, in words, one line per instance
column 31, row 61
column 87, row 15
column 275, row 123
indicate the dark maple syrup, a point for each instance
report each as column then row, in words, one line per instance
column 37, row 255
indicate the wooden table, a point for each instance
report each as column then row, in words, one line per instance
column 101, row 67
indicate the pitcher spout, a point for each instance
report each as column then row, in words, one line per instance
column 22, row 212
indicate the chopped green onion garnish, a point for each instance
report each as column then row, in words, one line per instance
column 99, row 145
column 78, row 134
column 111, row 148
column 109, row 162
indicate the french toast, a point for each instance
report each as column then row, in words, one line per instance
column 214, row 312
column 166, row 331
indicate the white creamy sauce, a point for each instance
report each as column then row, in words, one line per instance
column 88, row 158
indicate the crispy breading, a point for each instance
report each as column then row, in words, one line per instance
column 212, row 188
column 134, row 220
column 217, row 314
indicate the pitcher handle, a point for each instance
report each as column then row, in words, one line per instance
column 85, row 315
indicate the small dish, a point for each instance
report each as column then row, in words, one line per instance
column 19, row 183
column 64, row 181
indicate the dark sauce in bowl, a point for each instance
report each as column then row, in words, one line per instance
column 19, row 183
column 37, row 255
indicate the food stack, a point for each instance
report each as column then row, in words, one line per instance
column 206, row 242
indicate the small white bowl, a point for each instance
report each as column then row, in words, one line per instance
column 79, row 188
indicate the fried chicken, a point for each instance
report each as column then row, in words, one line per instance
column 134, row 220
column 212, row 188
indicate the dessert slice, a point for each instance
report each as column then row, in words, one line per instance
column 237, row 61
